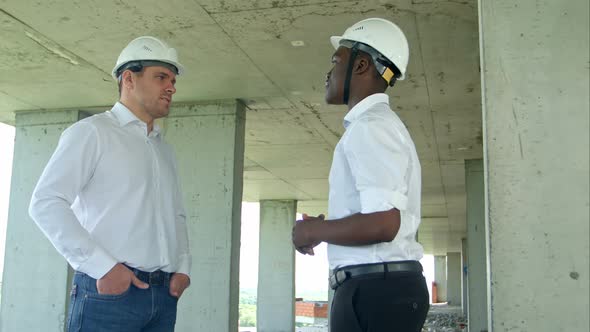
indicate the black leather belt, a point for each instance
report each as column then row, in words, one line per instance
column 156, row 278
column 344, row 273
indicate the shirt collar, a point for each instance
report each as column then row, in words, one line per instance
column 125, row 117
column 363, row 106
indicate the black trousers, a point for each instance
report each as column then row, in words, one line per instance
column 396, row 303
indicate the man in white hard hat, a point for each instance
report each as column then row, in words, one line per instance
column 109, row 201
column 374, row 198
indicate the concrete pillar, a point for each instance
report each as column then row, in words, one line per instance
column 476, row 239
column 440, row 277
column 330, row 300
column 209, row 144
column 275, row 310
column 454, row 270
column 535, row 83
column 464, row 276
column 35, row 282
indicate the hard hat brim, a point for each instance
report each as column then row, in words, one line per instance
column 335, row 40
column 178, row 66
column 175, row 64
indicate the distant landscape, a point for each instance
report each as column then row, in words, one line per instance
column 247, row 307
column 248, row 303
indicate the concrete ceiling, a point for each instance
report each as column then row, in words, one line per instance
column 57, row 54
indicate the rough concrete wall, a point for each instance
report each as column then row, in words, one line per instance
column 535, row 83
column 209, row 143
column 35, row 281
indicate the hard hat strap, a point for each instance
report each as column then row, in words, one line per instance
column 346, row 93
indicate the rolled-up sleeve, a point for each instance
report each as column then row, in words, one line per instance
column 70, row 168
column 378, row 161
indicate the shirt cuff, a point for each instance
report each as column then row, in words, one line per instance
column 184, row 265
column 377, row 200
column 98, row 264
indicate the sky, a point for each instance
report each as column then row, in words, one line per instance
column 6, row 151
column 311, row 272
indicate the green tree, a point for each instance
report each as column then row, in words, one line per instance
column 247, row 315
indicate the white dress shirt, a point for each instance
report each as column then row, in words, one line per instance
column 375, row 168
column 110, row 194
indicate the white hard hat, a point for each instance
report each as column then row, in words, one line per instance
column 147, row 48
column 382, row 35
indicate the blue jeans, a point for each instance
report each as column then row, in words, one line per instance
column 136, row 310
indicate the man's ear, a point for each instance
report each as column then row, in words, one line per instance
column 127, row 79
column 361, row 65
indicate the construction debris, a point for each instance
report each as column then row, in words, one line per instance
column 444, row 318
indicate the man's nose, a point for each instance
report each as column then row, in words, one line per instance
column 171, row 89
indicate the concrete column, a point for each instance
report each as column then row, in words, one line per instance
column 275, row 310
column 476, row 239
column 440, row 277
column 330, row 300
column 464, row 276
column 454, row 270
column 35, row 282
column 209, row 144
column 535, row 83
